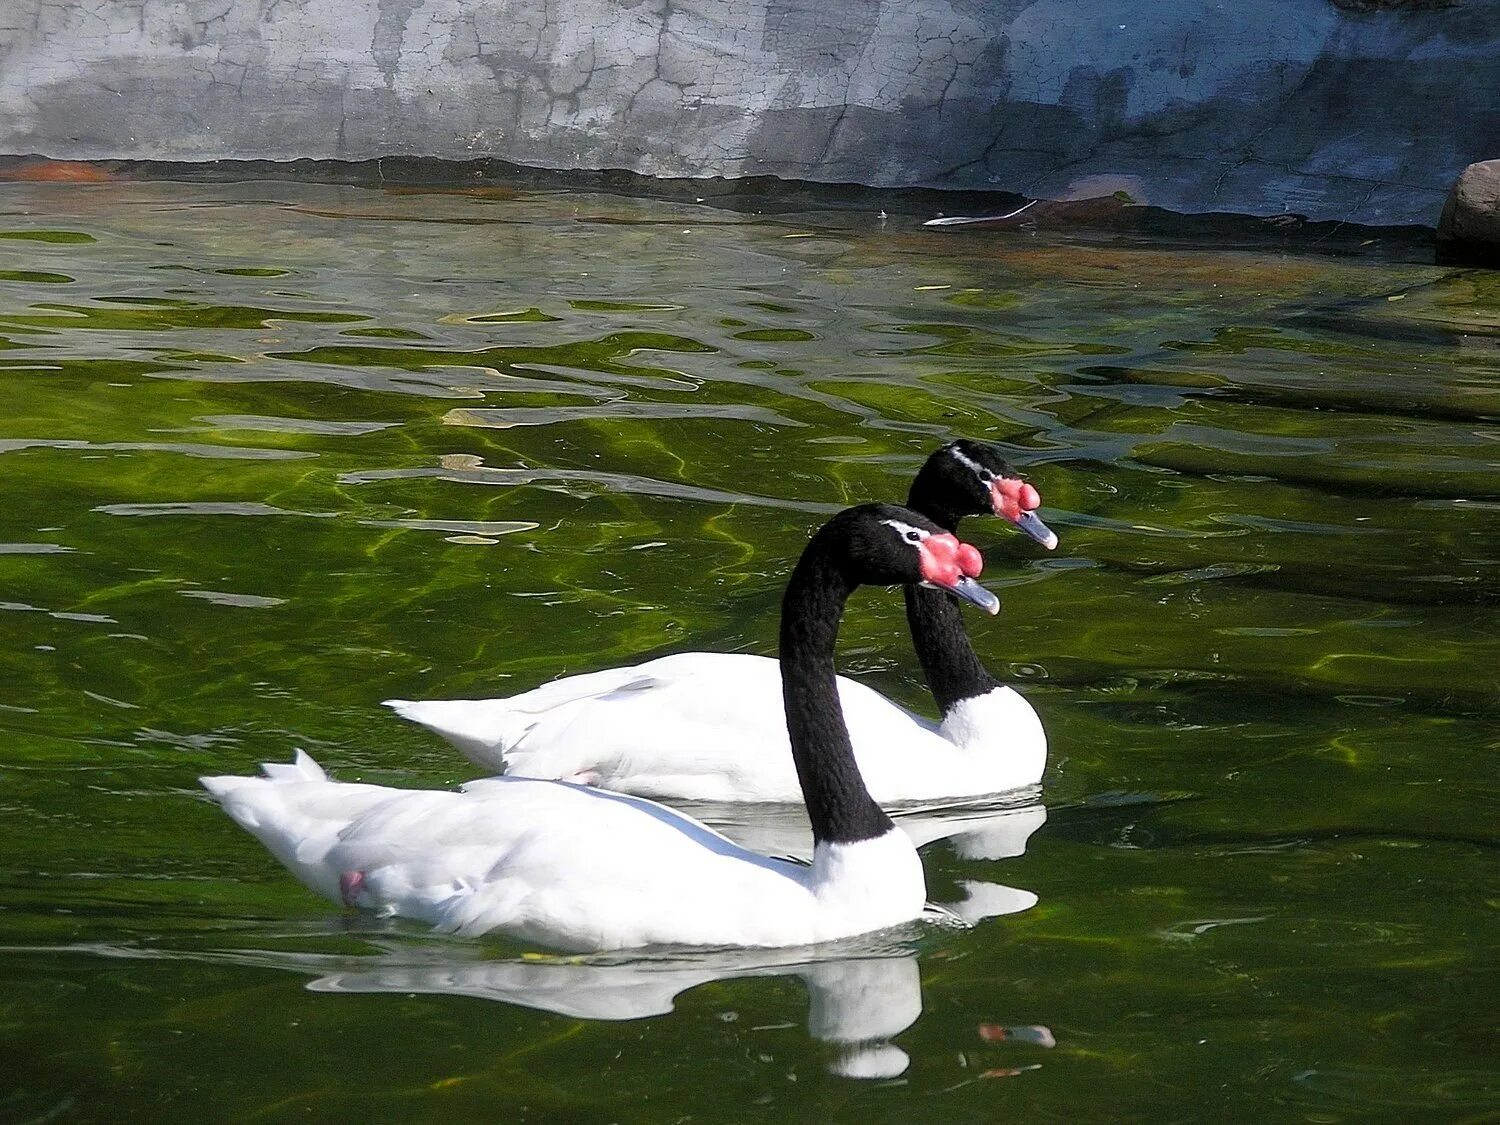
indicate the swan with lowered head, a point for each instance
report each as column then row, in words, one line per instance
column 708, row 725
column 578, row 868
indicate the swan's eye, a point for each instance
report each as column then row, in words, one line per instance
column 986, row 476
column 906, row 531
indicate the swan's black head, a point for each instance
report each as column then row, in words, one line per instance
column 971, row 478
column 886, row 545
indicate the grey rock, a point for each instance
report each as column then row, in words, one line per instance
column 1470, row 224
column 1346, row 111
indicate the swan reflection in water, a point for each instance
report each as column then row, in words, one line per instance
column 857, row 1004
column 862, row 992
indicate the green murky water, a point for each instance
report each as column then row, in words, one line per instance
column 274, row 453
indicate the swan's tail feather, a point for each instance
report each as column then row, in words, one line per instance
column 295, row 811
column 301, row 768
column 483, row 730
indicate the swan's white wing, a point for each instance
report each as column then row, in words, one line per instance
column 485, row 729
column 705, row 726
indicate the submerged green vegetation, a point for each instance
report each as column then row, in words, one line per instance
column 273, row 453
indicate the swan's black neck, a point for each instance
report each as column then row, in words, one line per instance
column 838, row 804
column 953, row 670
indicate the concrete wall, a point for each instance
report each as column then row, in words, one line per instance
column 1254, row 106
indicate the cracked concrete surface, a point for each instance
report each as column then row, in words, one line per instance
column 1281, row 105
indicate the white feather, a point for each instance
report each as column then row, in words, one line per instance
column 565, row 866
column 710, row 726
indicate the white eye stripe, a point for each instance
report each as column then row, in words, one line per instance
column 907, row 531
column 973, row 466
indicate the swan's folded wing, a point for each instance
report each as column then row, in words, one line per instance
column 487, row 731
column 589, row 685
column 697, row 725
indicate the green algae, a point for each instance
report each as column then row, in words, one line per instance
column 465, row 457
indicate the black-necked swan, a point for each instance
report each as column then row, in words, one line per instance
column 579, row 868
column 708, row 725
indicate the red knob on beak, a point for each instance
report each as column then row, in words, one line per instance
column 970, row 561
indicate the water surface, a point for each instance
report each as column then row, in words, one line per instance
column 273, row 453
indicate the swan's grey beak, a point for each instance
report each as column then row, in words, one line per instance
column 1015, row 500
column 1032, row 525
column 972, row 591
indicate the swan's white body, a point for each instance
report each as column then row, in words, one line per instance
column 566, row 866
column 710, row 726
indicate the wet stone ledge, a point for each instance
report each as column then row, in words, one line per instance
column 1329, row 109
